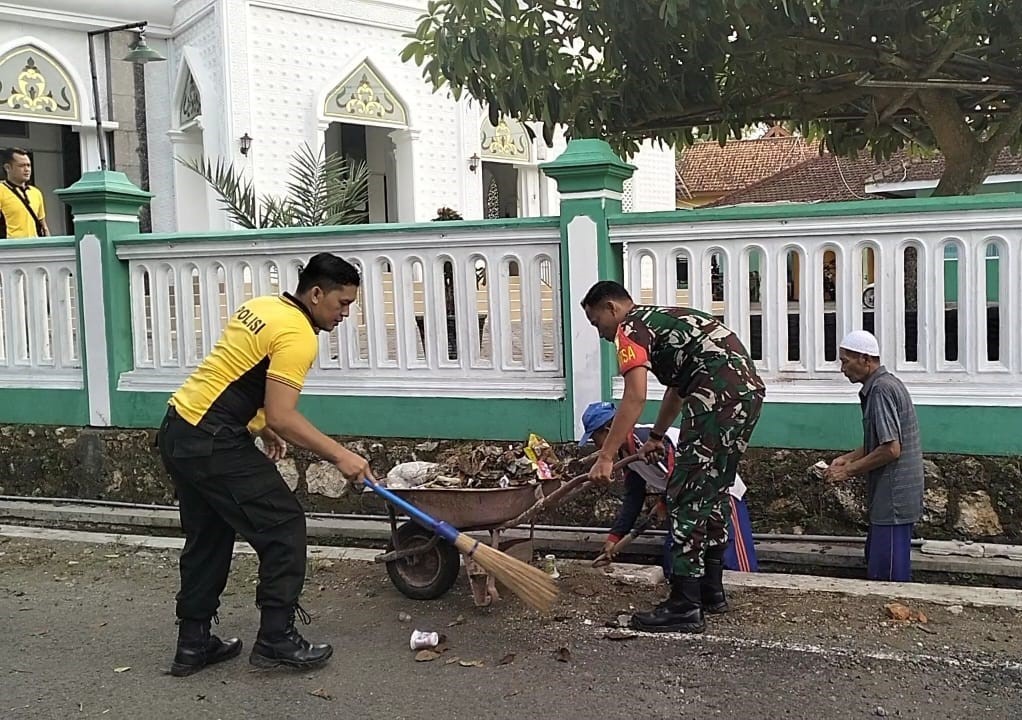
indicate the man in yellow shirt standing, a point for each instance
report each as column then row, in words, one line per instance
column 250, row 383
column 22, row 212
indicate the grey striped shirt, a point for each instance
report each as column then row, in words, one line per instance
column 895, row 491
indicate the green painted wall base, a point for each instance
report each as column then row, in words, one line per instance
column 807, row 426
column 393, row 417
column 44, row 407
column 944, row 429
column 436, row 418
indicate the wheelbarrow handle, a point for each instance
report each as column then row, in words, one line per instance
column 577, row 483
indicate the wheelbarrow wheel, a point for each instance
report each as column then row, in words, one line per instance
column 425, row 576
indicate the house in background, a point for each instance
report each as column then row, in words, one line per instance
column 707, row 172
column 251, row 81
column 918, row 176
column 829, row 178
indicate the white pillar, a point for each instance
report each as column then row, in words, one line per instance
column 404, row 162
column 89, row 147
column 530, row 187
column 196, row 206
column 320, row 143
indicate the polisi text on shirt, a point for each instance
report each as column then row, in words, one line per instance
column 250, row 320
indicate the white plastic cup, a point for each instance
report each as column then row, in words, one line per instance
column 422, row 640
column 550, row 565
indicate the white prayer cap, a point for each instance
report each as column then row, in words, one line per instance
column 861, row 341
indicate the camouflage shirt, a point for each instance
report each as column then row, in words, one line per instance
column 688, row 350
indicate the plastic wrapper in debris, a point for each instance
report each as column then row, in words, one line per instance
column 419, row 474
column 541, row 455
column 411, row 474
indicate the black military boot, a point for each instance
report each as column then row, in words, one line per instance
column 197, row 648
column 712, row 583
column 280, row 643
column 681, row 612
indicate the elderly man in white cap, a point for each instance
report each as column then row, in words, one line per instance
column 890, row 457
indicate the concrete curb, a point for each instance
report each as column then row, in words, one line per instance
column 938, row 594
column 932, row 556
column 153, row 542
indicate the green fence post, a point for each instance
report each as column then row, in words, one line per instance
column 105, row 205
column 590, row 179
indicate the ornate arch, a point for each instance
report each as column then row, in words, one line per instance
column 189, row 106
column 363, row 97
column 190, row 87
column 34, row 85
column 508, row 141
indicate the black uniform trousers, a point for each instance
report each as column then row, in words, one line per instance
column 226, row 486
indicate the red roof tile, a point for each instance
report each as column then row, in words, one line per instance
column 804, row 175
column 706, row 167
column 903, row 168
column 822, row 178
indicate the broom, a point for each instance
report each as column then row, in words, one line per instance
column 532, row 585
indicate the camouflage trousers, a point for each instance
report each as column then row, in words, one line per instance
column 709, row 450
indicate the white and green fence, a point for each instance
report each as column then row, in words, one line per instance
column 473, row 330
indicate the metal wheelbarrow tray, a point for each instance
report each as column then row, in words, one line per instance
column 477, row 508
column 422, row 566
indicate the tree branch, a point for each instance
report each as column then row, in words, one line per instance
column 812, row 98
column 942, row 114
column 942, row 57
column 853, row 50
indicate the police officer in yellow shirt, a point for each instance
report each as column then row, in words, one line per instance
column 22, row 211
column 250, row 383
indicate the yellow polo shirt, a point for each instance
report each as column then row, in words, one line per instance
column 267, row 338
column 16, row 216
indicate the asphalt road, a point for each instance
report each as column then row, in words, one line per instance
column 72, row 616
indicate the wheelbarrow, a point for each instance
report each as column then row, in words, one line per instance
column 422, row 566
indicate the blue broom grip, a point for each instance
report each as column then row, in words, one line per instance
column 441, row 528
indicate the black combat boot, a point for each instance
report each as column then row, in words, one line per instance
column 681, row 612
column 280, row 643
column 712, row 585
column 197, row 648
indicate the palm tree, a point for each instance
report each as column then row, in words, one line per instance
column 322, row 191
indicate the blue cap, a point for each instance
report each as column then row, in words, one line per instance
column 595, row 417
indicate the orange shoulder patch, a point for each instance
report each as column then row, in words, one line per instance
column 630, row 354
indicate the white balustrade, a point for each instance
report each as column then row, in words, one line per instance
column 461, row 312
column 39, row 346
column 792, row 288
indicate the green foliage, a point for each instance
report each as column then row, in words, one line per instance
column 675, row 70
column 321, row 191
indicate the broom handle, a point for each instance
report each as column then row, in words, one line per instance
column 446, row 531
column 554, row 497
column 624, row 542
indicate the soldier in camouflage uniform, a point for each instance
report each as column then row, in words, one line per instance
column 712, row 385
